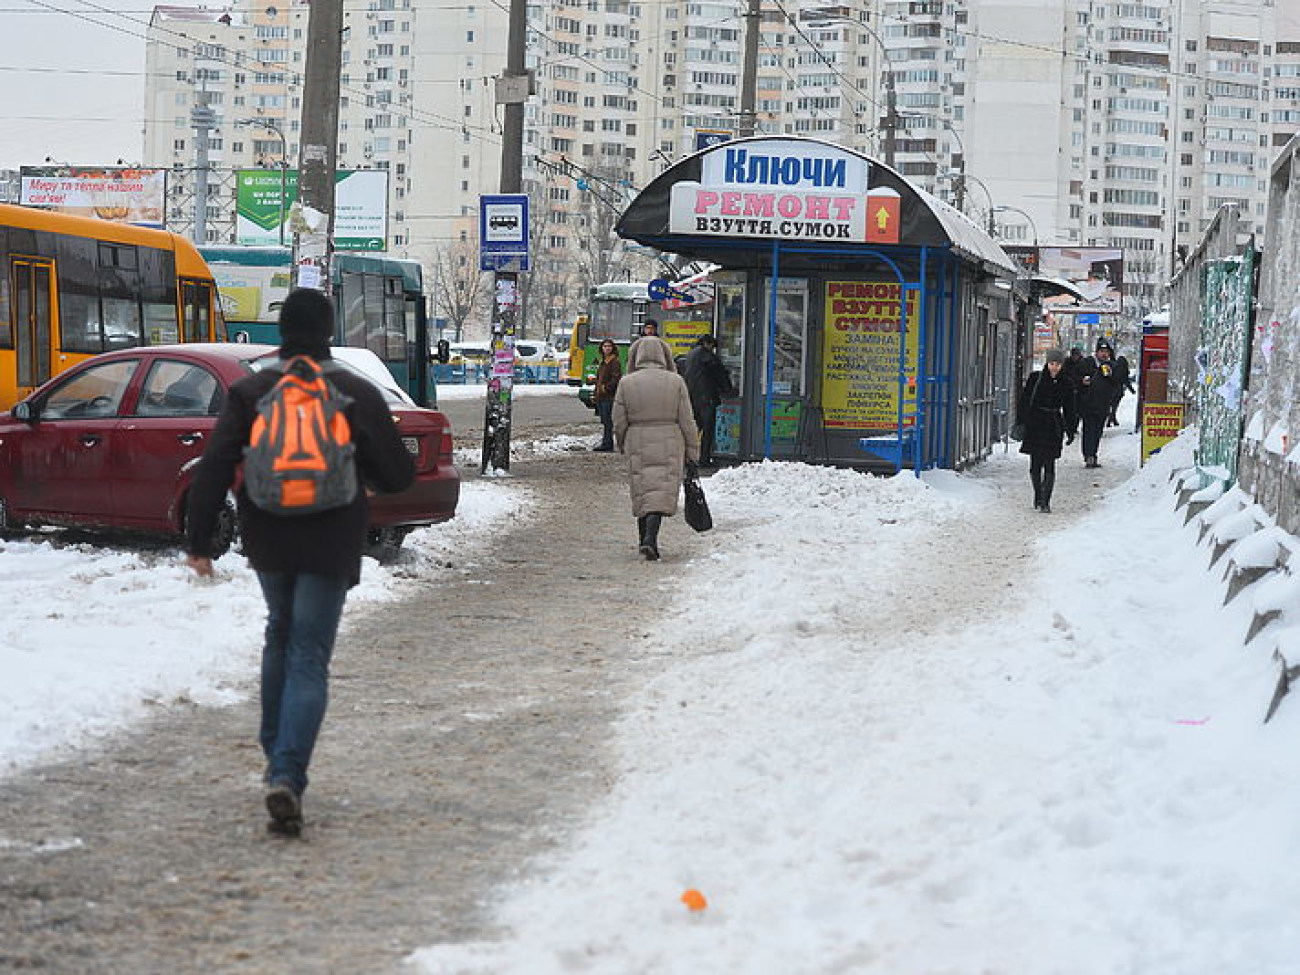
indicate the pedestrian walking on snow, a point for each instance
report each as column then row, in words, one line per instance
column 655, row 428
column 305, row 563
column 1046, row 410
column 1100, row 387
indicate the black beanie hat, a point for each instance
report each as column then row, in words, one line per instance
column 306, row 324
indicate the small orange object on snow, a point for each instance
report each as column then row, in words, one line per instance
column 694, row 900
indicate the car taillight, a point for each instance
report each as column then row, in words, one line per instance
column 444, row 444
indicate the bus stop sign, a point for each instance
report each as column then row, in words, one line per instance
column 503, row 232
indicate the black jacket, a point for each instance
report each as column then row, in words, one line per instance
column 706, row 378
column 324, row 543
column 1046, row 408
column 1100, row 386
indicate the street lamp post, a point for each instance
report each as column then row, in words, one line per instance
column 959, row 186
column 1033, row 227
column 961, row 177
column 890, row 122
column 284, row 159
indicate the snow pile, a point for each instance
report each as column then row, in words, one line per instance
column 1081, row 783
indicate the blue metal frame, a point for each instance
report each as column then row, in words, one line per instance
column 928, row 442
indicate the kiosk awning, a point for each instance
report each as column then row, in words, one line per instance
column 800, row 191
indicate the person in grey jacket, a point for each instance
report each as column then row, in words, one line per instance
column 655, row 428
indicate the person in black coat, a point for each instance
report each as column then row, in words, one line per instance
column 709, row 382
column 1046, row 410
column 1100, row 388
column 306, row 563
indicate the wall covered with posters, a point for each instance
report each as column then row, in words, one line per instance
column 1270, row 455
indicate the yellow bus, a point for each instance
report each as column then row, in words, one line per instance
column 71, row 287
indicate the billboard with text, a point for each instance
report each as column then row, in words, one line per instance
column 264, row 199
column 124, row 195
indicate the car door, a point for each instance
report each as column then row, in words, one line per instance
column 161, row 440
column 64, row 457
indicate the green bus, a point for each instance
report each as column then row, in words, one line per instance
column 379, row 305
column 618, row 311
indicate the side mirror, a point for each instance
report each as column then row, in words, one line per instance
column 443, row 353
column 27, row 412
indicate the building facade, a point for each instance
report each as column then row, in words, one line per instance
column 1066, row 123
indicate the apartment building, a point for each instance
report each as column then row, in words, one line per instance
column 225, row 93
column 1060, row 122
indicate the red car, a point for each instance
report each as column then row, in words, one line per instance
column 113, row 443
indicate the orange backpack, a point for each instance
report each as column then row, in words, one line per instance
column 300, row 458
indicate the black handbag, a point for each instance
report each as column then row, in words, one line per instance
column 697, row 506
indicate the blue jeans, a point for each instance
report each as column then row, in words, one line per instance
column 302, row 619
column 605, row 410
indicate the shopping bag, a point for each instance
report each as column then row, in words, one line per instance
column 697, row 506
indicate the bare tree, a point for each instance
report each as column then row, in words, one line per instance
column 457, row 286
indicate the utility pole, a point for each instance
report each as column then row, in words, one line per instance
column 748, row 122
column 513, row 88
column 313, row 212
column 203, row 118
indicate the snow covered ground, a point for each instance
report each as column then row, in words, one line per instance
column 1076, row 781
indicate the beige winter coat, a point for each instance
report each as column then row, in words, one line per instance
column 654, row 426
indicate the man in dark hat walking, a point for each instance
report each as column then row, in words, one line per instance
column 1099, row 389
column 305, row 563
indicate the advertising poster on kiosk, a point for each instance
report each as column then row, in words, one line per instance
column 860, row 355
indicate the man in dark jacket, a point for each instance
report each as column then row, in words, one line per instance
column 304, row 563
column 708, row 381
column 1073, row 367
column 1099, row 389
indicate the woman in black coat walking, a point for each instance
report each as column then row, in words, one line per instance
column 1046, row 411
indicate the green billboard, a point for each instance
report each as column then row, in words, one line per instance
column 264, row 198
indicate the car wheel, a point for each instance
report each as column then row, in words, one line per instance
column 226, row 530
column 385, row 544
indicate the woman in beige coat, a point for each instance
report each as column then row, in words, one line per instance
column 654, row 426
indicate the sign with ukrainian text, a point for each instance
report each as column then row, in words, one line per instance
column 264, row 199
column 134, row 196
column 787, row 165
column 777, row 189
column 767, row 213
column 1161, row 423
column 861, row 355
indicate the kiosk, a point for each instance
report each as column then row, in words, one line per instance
column 859, row 315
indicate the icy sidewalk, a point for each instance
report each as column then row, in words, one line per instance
column 919, row 728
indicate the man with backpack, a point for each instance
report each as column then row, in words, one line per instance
column 312, row 438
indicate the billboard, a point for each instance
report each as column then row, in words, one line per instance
column 135, row 196
column 1096, row 273
column 360, row 208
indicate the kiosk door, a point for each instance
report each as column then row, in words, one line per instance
column 781, row 381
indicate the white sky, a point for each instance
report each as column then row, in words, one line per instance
column 72, row 81
column 871, row 753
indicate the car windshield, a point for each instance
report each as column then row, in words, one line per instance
column 391, row 397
